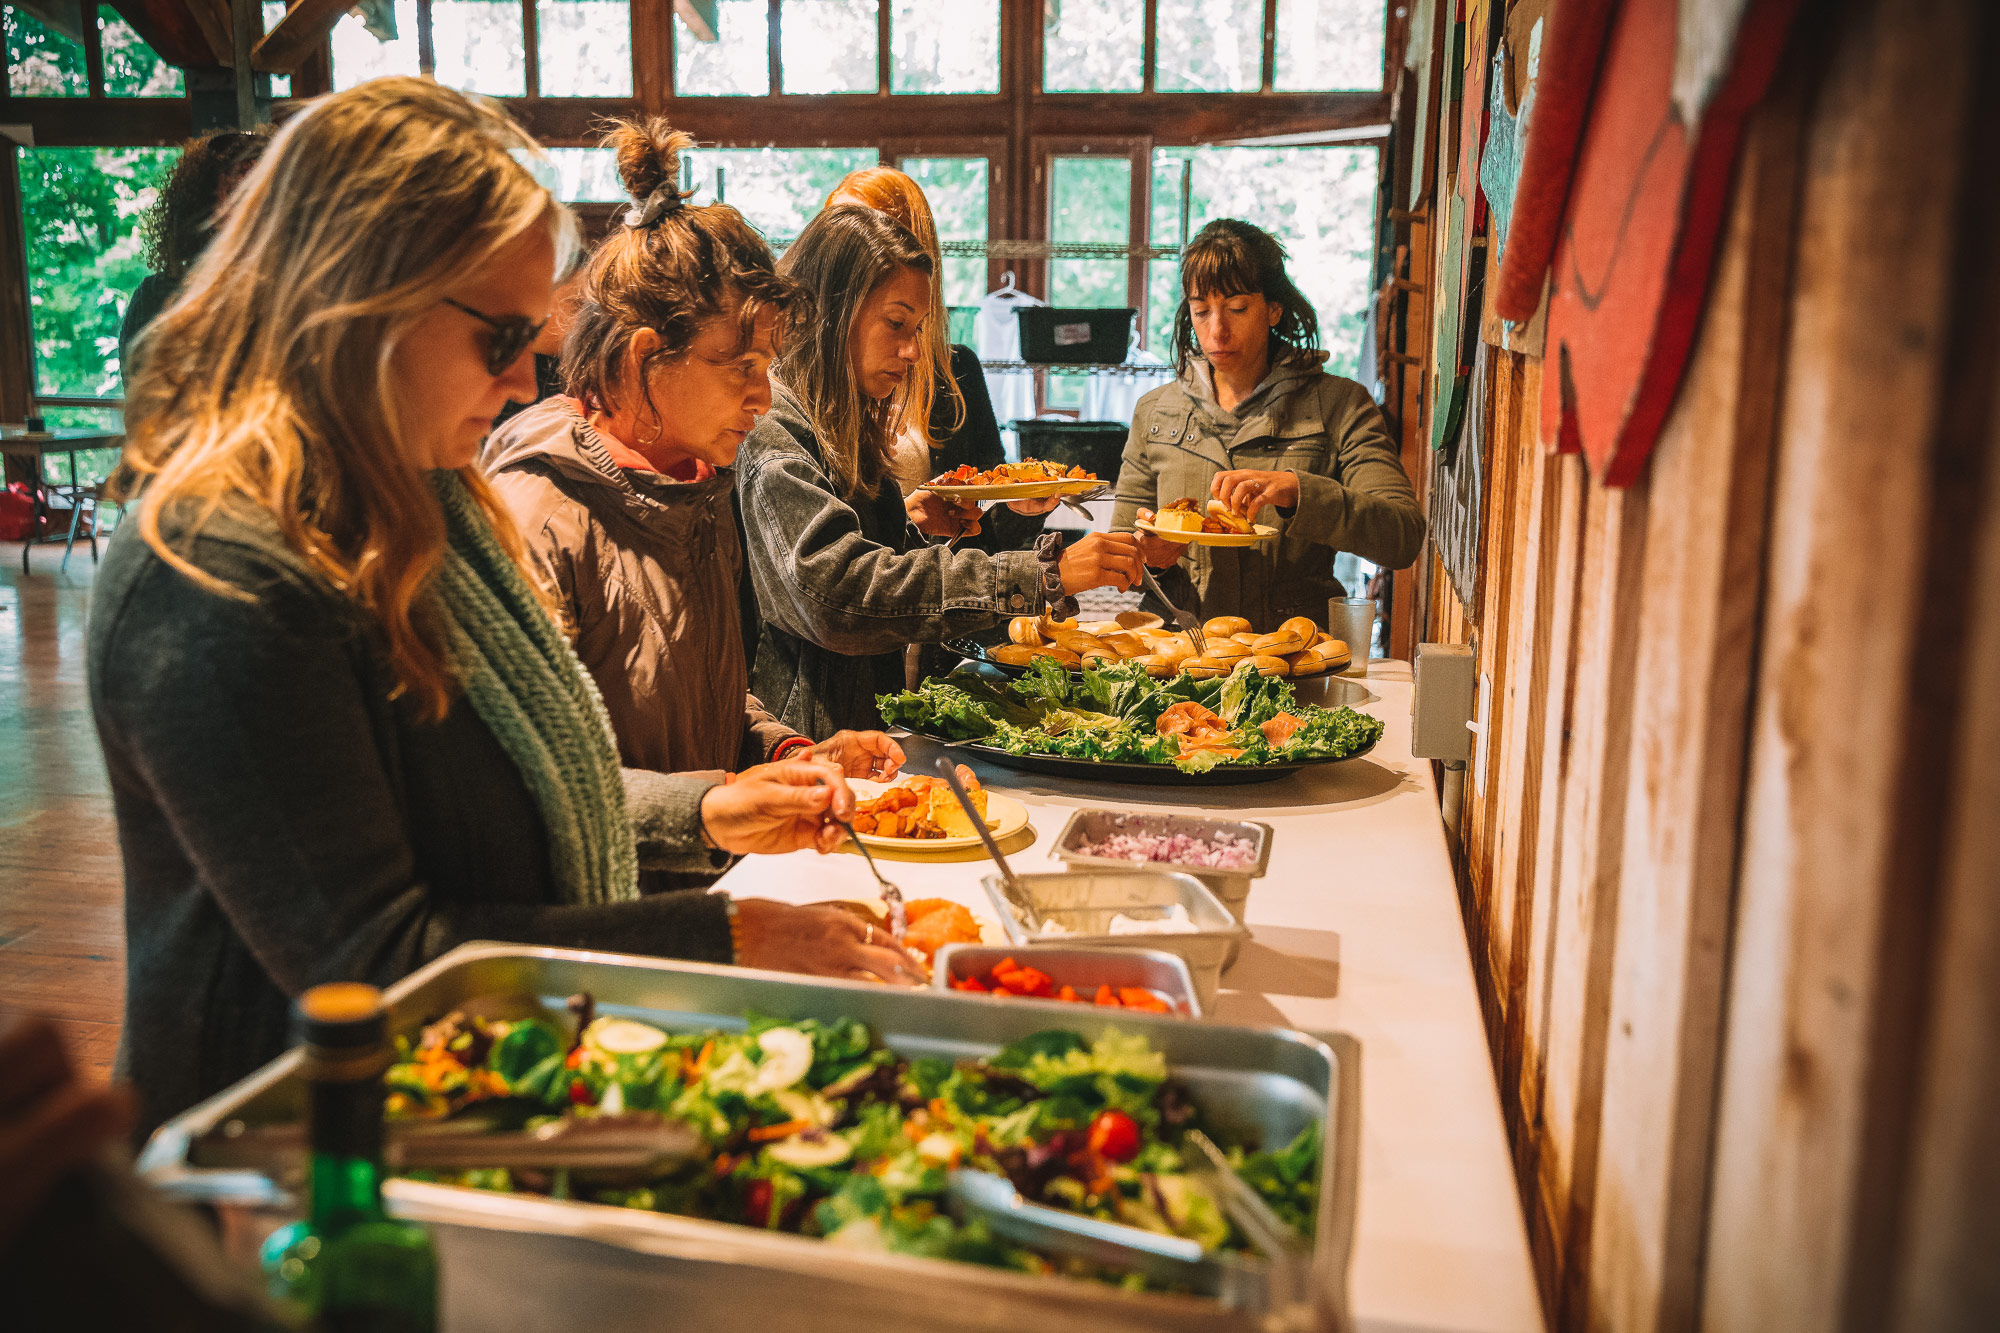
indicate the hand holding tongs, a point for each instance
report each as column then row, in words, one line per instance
column 1183, row 619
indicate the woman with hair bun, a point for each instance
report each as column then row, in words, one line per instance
column 622, row 485
column 342, row 730
column 1256, row 424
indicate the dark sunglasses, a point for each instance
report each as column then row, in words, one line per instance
column 512, row 335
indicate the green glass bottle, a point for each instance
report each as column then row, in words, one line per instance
column 349, row 1266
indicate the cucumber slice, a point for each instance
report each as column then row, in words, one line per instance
column 788, row 1054
column 623, row 1036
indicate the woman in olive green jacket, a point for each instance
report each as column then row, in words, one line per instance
column 1253, row 421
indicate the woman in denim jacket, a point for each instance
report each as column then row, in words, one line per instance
column 843, row 575
column 1253, row 421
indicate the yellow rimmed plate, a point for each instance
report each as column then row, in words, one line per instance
column 1261, row 533
column 1005, row 817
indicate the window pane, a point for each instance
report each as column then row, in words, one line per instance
column 585, row 47
column 957, row 190
column 1093, row 46
column 281, row 84
column 940, row 47
column 1319, row 201
column 587, row 175
column 777, row 189
column 1090, row 201
column 132, row 68
column 83, row 209
column 45, row 60
column 828, row 46
column 1329, row 45
column 479, row 46
column 1210, row 46
column 737, row 63
column 362, row 52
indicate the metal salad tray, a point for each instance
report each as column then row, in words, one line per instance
column 1230, row 886
column 1156, row 970
column 515, row 1261
column 1082, row 904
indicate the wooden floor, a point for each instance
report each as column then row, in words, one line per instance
column 62, row 931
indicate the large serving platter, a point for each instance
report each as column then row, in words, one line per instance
column 522, row 1261
column 1152, row 775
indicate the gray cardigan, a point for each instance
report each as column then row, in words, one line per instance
column 284, row 821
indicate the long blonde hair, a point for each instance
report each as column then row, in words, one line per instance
column 841, row 257
column 266, row 386
column 897, row 194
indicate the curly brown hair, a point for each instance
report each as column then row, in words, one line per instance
column 182, row 220
column 671, row 267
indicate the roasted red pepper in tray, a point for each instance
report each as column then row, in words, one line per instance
column 1010, row 977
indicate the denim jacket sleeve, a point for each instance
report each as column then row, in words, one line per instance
column 821, row 578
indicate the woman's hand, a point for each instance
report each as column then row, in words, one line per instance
column 1246, row 492
column 1100, row 560
column 861, row 754
column 777, row 808
column 935, row 516
column 1035, row 508
column 819, row 941
column 50, row 1121
column 1157, row 551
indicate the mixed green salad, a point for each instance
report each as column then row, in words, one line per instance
column 816, row 1128
column 1118, row 712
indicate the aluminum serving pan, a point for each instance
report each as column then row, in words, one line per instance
column 519, row 1261
column 1231, row 887
column 1081, row 904
column 1156, row 970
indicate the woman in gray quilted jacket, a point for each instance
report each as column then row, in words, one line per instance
column 1255, row 422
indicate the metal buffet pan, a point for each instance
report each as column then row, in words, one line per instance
column 518, row 1261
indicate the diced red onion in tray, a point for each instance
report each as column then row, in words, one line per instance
column 1220, row 853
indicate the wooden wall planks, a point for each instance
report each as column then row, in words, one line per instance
column 1730, row 907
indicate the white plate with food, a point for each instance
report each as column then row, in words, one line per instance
column 920, row 814
column 1259, row 532
column 1216, row 525
column 1030, row 479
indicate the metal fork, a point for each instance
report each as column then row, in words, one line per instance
column 1184, row 619
column 892, row 897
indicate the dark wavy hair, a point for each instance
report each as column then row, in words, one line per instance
column 1229, row 257
column 671, row 267
column 841, row 257
column 182, row 220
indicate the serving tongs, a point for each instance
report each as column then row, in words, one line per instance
column 643, row 1142
column 1185, row 620
column 947, row 770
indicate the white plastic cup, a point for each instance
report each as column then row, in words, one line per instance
column 1352, row 620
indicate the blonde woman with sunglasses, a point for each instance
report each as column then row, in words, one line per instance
column 343, row 731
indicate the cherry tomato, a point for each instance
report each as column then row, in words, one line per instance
column 1114, row 1135
column 579, row 1092
column 757, row 1204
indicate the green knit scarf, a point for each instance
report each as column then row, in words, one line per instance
column 525, row 682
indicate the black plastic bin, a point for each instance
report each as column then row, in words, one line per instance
column 1094, row 446
column 1058, row 336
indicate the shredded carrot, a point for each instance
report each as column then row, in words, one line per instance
column 765, row 1133
column 701, row 1061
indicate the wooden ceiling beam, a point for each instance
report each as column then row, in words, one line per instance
column 170, row 28
column 302, row 31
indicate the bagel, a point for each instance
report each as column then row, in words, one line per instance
column 1301, row 626
column 1207, row 668
column 1282, row 644
column 1246, row 638
column 1309, row 663
column 1228, row 650
column 1025, row 630
column 1137, row 620
column 1224, row 626
column 1158, row 667
column 1269, row 666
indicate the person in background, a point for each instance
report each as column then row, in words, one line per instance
column 1253, row 421
column 837, row 556
column 343, row 731
column 622, row 488
column 181, row 221
column 547, row 347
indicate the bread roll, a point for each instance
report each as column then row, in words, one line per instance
column 1270, row 666
column 1328, row 646
column 1159, row 667
column 1309, row 663
column 1207, row 668
column 1173, row 647
column 1099, row 627
column 1077, row 641
column 1282, row 644
column 1137, row 620
column 1099, row 657
column 1051, row 627
column 1125, row 644
column 1227, row 650
column 1224, row 626
column 1301, row 626
column 1014, row 654
column 1025, row 630
column 1246, row 638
